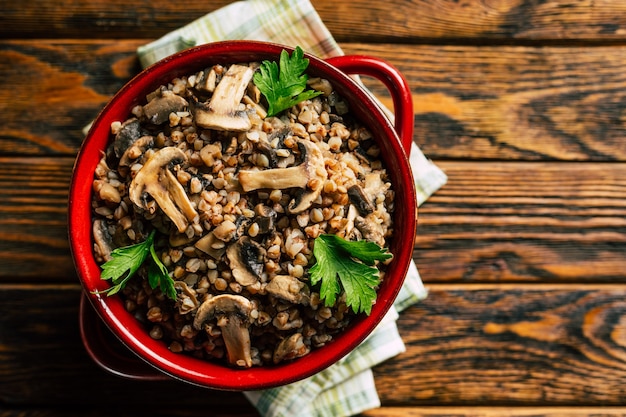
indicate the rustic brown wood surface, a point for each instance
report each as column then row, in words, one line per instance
column 522, row 103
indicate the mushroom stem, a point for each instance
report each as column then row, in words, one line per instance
column 222, row 112
column 232, row 313
column 309, row 175
column 277, row 179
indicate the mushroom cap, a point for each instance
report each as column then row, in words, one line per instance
column 234, row 312
column 246, row 260
column 156, row 179
column 158, row 110
column 227, row 304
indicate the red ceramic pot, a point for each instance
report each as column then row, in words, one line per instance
column 394, row 141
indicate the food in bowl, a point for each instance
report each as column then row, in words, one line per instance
column 248, row 237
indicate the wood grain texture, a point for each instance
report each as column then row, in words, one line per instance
column 396, row 20
column 534, row 345
column 480, row 103
column 33, row 219
column 427, row 411
column 524, row 222
column 495, row 412
column 466, row 345
column 59, row 87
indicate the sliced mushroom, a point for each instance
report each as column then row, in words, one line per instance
column 103, row 241
column 360, row 200
column 158, row 109
column 374, row 186
column 155, row 179
column 222, row 112
column 265, row 219
column 211, row 245
column 233, row 317
column 288, row 288
column 370, row 229
column 187, row 300
column 134, row 151
column 309, row 176
column 207, row 80
column 290, row 348
column 246, row 258
column 126, row 136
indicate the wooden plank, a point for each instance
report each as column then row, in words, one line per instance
column 511, row 344
column 33, row 219
column 467, row 345
column 59, row 87
column 487, row 411
column 495, row 103
column 525, row 222
column 349, row 21
column 509, row 222
column 433, row 411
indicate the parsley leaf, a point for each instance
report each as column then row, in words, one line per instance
column 126, row 261
column 347, row 264
column 286, row 86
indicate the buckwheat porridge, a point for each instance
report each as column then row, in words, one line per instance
column 232, row 200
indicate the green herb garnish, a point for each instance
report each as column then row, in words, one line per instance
column 348, row 264
column 126, row 261
column 286, row 87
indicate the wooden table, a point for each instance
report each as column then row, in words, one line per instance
column 522, row 103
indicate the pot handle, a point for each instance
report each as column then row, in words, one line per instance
column 395, row 83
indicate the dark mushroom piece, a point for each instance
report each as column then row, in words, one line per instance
column 309, row 176
column 155, row 179
column 134, row 151
column 265, row 219
column 158, row 109
column 360, row 200
column 246, row 260
column 103, row 241
column 126, row 136
column 233, row 317
column 290, row 348
column 222, row 111
column 370, row 229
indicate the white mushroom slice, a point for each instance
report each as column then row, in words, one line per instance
column 288, row 288
column 211, row 245
column 155, row 179
column 233, row 313
column 246, row 260
column 309, row 176
column 222, row 112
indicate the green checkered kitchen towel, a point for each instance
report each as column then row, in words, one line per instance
column 347, row 387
